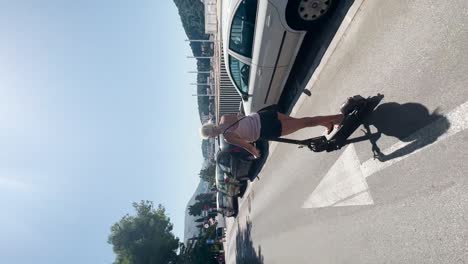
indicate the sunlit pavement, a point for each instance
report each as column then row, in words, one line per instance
column 411, row 204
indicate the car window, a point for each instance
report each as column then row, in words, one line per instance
column 243, row 27
column 240, row 72
column 225, row 168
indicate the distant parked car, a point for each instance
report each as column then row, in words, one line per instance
column 220, row 228
column 226, row 184
column 227, row 205
column 261, row 39
column 228, row 191
column 237, row 162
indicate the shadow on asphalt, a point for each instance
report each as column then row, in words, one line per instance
column 313, row 48
column 402, row 121
column 245, row 250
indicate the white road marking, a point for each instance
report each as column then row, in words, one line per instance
column 458, row 120
column 341, row 184
column 345, row 183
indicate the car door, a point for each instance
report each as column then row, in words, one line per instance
column 241, row 45
column 257, row 39
column 274, row 46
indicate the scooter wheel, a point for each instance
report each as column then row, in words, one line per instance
column 318, row 146
column 352, row 103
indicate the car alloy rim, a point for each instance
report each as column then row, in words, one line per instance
column 310, row 10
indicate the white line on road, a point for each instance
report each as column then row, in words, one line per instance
column 345, row 183
column 458, row 121
column 342, row 185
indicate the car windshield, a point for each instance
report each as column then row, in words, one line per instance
column 243, row 27
column 240, row 73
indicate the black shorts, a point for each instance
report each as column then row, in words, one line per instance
column 270, row 124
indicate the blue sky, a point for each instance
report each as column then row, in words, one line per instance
column 96, row 112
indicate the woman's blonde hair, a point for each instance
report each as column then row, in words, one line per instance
column 207, row 130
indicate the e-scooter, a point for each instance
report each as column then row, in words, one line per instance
column 355, row 110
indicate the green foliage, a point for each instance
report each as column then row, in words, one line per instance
column 202, row 200
column 198, row 253
column 200, row 220
column 210, row 196
column 196, row 209
column 208, row 174
column 192, row 15
column 144, row 238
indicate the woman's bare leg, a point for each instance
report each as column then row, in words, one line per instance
column 290, row 124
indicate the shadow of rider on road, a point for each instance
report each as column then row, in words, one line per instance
column 405, row 122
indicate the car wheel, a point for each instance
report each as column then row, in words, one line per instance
column 242, row 179
column 243, row 187
column 235, row 207
column 306, row 14
column 233, row 215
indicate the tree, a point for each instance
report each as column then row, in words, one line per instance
column 198, row 253
column 209, row 196
column 196, row 209
column 202, row 202
column 145, row 238
column 208, row 173
column 200, row 220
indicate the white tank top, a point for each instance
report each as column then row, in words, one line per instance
column 248, row 128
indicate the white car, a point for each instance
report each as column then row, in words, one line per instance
column 261, row 39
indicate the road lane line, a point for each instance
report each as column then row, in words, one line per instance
column 345, row 182
column 458, row 121
column 342, row 185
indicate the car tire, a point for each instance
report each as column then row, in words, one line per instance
column 235, row 207
column 245, row 178
column 243, row 187
column 307, row 14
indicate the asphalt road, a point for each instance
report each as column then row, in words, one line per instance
column 407, row 203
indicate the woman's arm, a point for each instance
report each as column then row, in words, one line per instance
column 235, row 140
